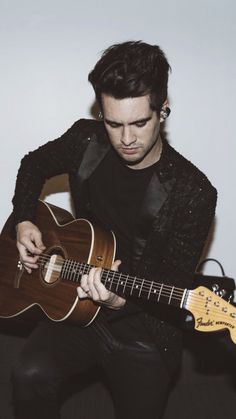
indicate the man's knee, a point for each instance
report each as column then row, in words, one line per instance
column 30, row 379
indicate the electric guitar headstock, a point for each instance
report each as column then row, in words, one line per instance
column 211, row 312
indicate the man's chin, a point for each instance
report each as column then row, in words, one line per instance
column 131, row 161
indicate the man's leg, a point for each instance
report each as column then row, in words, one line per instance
column 52, row 353
column 139, row 381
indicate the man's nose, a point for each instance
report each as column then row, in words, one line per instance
column 127, row 136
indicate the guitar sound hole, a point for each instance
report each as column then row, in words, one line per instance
column 51, row 265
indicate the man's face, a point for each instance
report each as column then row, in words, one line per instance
column 133, row 129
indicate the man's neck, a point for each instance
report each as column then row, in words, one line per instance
column 154, row 153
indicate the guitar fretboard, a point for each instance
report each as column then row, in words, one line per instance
column 127, row 285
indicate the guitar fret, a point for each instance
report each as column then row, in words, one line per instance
column 63, row 268
column 171, row 295
column 85, row 269
column 74, row 272
column 159, row 295
column 70, row 270
column 127, row 276
column 150, row 290
column 112, row 278
column 132, row 288
column 141, row 288
column 78, row 271
column 118, row 282
column 66, row 269
column 107, row 278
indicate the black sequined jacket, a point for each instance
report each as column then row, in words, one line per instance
column 179, row 199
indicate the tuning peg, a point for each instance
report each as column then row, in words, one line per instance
column 215, row 287
column 222, row 293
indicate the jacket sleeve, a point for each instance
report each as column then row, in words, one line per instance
column 52, row 159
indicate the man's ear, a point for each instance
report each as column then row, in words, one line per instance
column 165, row 111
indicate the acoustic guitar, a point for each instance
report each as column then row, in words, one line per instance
column 72, row 248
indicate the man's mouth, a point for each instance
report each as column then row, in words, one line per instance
column 130, row 150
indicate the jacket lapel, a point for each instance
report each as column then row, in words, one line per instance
column 93, row 156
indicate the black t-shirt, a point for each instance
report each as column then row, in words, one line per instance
column 116, row 194
column 116, row 197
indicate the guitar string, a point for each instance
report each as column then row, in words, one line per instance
column 83, row 266
column 200, row 309
column 117, row 276
column 70, row 270
column 175, row 295
column 152, row 288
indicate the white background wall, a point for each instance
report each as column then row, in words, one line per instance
column 49, row 46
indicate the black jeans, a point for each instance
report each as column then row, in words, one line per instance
column 54, row 352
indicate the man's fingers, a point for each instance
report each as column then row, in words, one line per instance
column 92, row 287
column 82, row 293
column 30, row 237
column 94, row 277
column 29, row 245
column 25, row 254
column 115, row 265
column 28, row 262
column 83, row 290
column 37, row 238
column 84, row 283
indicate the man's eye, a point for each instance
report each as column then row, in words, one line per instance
column 113, row 125
column 141, row 124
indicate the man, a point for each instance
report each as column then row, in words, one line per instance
column 160, row 207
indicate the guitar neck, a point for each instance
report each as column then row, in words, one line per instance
column 129, row 286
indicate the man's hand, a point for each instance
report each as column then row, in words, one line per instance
column 29, row 244
column 92, row 287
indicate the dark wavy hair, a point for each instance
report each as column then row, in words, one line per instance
column 132, row 69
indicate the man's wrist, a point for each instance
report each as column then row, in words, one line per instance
column 116, row 302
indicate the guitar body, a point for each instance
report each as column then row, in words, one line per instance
column 65, row 239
